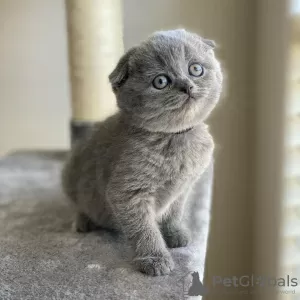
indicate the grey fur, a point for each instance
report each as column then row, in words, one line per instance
column 134, row 171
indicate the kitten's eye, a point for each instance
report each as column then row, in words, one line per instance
column 160, row 82
column 196, row 70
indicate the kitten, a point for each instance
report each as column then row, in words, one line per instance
column 134, row 171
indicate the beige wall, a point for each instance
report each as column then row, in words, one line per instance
column 34, row 90
column 272, row 69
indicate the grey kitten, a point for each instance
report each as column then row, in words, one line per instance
column 134, row 171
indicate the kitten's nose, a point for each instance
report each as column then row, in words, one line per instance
column 187, row 89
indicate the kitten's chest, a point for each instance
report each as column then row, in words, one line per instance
column 173, row 164
column 179, row 169
column 182, row 157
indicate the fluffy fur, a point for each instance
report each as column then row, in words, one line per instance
column 134, row 171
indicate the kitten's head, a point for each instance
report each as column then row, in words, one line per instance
column 170, row 82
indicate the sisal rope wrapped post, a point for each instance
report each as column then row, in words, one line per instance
column 95, row 45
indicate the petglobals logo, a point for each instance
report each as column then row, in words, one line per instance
column 247, row 281
column 236, row 285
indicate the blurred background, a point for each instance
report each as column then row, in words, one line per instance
column 256, row 208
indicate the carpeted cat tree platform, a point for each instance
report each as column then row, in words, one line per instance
column 40, row 256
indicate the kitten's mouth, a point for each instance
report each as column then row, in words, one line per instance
column 190, row 98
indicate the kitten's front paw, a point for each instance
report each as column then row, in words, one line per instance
column 177, row 237
column 155, row 265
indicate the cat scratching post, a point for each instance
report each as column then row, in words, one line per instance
column 95, row 45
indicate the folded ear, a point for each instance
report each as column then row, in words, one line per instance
column 210, row 43
column 120, row 74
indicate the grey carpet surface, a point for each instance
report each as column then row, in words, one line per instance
column 42, row 258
